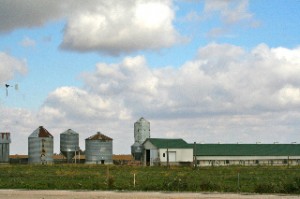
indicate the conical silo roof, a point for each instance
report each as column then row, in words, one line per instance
column 99, row 136
column 142, row 119
column 40, row 132
column 5, row 137
column 69, row 132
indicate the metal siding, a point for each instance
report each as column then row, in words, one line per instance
column 69, row 144
column 137, row 151
column 141, row 130
column 4, row 147
column 97, row 150
column 5, row 138
column 35, row 153
column 247, row 149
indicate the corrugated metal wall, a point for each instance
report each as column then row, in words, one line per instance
column 40, row 147
column 4, row 147
column 69, row 143
column 141, row 130
column 40, row 150
column 98, row 152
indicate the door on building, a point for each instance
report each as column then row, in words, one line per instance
column 148, row 157
column 172, row 156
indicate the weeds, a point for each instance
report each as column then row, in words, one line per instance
column 101, row 177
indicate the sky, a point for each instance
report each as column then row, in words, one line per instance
column 207, row 71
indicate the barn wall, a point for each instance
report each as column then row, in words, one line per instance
column 247, row 160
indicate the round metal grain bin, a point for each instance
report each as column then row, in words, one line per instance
column 69, row 143
column 40, row 147
column 98, row 149
column 137, row 151
column 4, row 147
column 141, row 130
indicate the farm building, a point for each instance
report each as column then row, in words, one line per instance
column 178, row 152
column 247, row 154
column 157, row 151
column 98, row 149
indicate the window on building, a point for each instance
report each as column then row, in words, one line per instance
column 227, row 161
column 285, row 161
column 256, row 161
column 164, row 155
column 242, row 162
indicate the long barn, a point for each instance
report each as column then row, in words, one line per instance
column 159, row 151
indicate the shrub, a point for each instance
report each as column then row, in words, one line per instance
column 175, row 184
column 292, row 187
column 209, row 186
column 266, row 188
column 110, row 182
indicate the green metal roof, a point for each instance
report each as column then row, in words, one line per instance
column 168, row 143
column 247, row 149
column 230, row 149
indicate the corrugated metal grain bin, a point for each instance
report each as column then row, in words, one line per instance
column 4, row 147
column 69, row 144
column 141, row 130
column 98, row 149
column 137, row 151
column 40, row 147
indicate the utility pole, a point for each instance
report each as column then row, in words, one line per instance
column 194, row 156
column 168, row 165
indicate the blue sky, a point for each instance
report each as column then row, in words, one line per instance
column 207, row 71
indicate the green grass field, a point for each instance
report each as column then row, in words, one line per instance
column 100, row 177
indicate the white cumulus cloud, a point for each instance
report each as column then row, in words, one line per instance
column 10, row 66
column 121, row 28
column 109, row 27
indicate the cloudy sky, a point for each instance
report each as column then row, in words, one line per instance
column 208, row 71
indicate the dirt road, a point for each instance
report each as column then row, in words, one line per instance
column 25, row 194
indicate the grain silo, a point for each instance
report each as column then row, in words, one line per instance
column 69, row 144
column 40, row 147
column 98, row 149
column 137, row 151
column 141, row 133
column 4, row 147
column 141, row 130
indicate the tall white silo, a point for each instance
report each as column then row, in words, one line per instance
column 69, row 144
column 4, row 147
column 98, row 149
column 141, row 133
column 40, row 147
column 141, row 130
